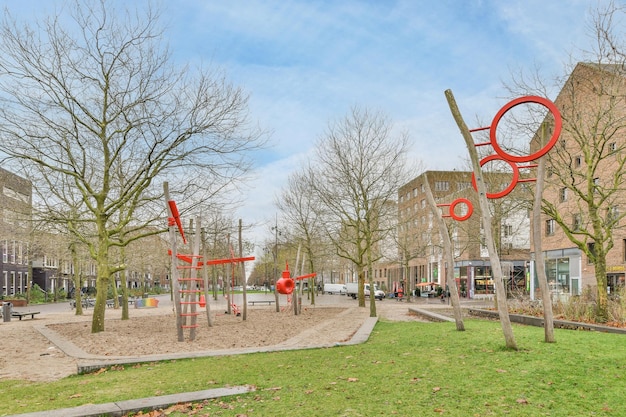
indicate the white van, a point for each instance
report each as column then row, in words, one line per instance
column 334, row 289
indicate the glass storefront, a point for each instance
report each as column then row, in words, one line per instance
column 483, row 282
column 558, row 275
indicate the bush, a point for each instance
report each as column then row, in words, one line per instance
column 37, row 295
column 581, row 308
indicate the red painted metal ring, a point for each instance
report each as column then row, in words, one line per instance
column 470, row 209
column 558, row 123
column 511, row 186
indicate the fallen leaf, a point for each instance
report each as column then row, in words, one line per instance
column 435, row 389
column 353, row 379
column 521, row 401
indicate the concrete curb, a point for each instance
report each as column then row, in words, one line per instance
column 92, row 362
column 431, row 315
column 120, row 408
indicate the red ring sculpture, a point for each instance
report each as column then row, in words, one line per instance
column 470, row 209
column 511, row 186
column 558, row 124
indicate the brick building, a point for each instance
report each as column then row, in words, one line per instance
column 15, row 226
column 420, row 247
column 585, row 175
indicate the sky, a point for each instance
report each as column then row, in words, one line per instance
column 305, row 63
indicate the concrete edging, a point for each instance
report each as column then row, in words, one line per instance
column 430, row 315
column 121, row 408
column 538, row 322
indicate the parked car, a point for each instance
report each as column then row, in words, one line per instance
column 352, row 289
column 334, row 289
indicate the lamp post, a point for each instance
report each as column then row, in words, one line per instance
column 275, row 254
column 266, row 283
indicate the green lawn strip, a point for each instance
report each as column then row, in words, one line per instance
column 407, row 368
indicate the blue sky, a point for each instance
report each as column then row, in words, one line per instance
column 305, row 63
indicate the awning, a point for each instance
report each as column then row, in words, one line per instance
column 425, row 284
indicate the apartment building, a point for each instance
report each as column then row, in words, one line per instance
column 421, row 250
column 15, row 209
column 585, row 176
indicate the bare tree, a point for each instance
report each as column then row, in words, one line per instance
column 298, row 211
column 82, row 104
column 359, row 167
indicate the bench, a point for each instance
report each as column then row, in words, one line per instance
column 268, row 302
column 21, row 314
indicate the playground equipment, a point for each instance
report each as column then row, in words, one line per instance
column 512, row 160
column 285, row 284
column 190, row 291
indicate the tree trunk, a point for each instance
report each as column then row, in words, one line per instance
column 602, row 309
column 102, row 287
column 496, row 268
column 77, row 281
column 370, row 275
column 361, row 286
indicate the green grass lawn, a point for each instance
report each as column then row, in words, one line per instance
column 405, row 369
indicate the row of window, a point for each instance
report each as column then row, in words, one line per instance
column 14, row 252
column 14, row 282
column 577, row 221
column 440, row 186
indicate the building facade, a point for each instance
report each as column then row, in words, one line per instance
column 15, row 226
column 421, row 251
column 584, row 176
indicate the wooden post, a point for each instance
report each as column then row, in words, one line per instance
column 173, row 270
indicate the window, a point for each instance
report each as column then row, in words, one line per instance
column 549, row 172
column 12, row 252
column 550, row 226
column 16, row 195
column 460, row 186
column 612, row 147
column 612, row 214
column 442, row 185
column 423, row 203
column 5, row 252
column 563, row 194
column 578, row 161
column 507, row 230
column 414, row 192
column 577, row 222
column 591, row 247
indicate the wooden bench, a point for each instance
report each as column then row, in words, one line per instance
column 21, row 314
column 268, row 302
